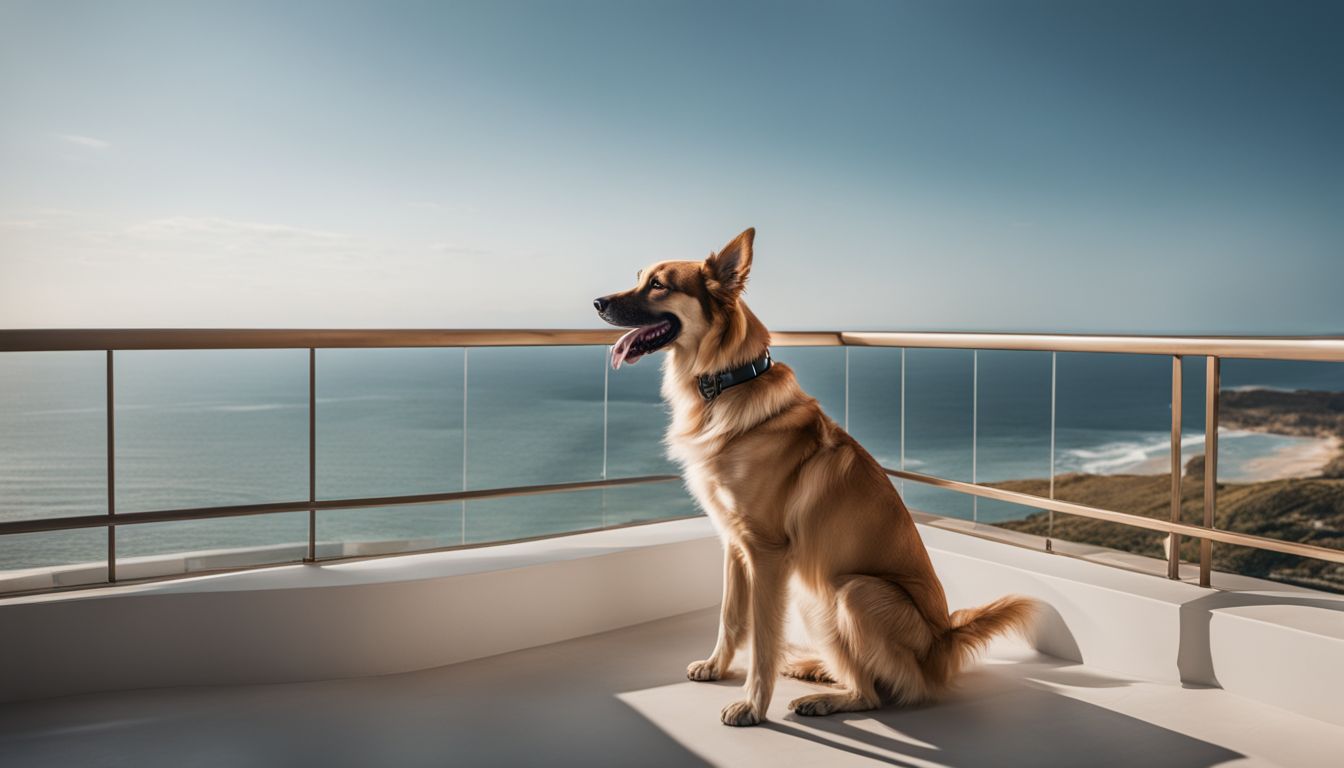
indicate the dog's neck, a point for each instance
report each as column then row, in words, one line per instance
column 735, row 338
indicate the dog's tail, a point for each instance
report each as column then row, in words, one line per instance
column 972, row 629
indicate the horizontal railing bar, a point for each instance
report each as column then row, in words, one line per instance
column 243, row 510
column 1125, row 518
column 1321, row 348
column 61, row 340
column 1318, row 348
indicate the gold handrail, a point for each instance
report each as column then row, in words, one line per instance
column 75, row 340
column 1318, row 348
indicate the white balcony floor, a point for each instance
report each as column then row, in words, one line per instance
column 621, row 699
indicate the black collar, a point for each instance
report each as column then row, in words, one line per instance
column 711, row 385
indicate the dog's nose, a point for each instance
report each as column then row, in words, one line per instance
column 601, row 303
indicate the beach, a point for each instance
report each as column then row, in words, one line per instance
column 1304, row 459
column 1248, row 456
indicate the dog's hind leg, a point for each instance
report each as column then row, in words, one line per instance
column 875, row 639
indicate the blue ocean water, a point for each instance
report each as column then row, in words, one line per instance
column 206, row 428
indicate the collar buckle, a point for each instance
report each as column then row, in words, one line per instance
column 710, row 386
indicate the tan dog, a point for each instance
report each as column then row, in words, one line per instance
column 794, row 497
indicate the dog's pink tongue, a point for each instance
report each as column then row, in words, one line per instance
column 620, row 351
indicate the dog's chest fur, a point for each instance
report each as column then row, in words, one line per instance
column 699, row 438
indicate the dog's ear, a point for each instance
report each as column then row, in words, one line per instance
column 728, row 269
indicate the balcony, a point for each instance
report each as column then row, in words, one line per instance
column 559, row 630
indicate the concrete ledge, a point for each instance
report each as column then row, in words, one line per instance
column 312, row 622
column 1269, row 642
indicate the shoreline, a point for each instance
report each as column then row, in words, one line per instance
column 1289, row 461
column 1308, row 456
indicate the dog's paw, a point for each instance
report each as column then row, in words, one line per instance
column 703, row 671
column 816, row 705
column 739, row 714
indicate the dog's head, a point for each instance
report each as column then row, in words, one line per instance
column 676, row 303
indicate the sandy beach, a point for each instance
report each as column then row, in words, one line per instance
column 1301, row 457
column 1304, row 460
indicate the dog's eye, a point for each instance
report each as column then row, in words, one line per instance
column 657, row 286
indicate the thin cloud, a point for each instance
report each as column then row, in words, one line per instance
column 87, row 142
column 458, row 249
column 188, row 227
column 453, row 208
column 218, row 241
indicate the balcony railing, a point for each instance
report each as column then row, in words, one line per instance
column 1213, row 349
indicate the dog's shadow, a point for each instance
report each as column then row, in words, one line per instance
column 1014, row 714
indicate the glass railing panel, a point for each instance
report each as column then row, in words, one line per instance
column 875, row 402
column 383, row 530
column 636, row 420
column 938, row 427
column 1113, row 444
column 1307, row 572
column 149, row 550
column 47, row 560
column 211, row 427
column 1013, row 428
column 1281, row 467
column 622, row 505
column 521, row 517
column 821, row 373
column 53, row 435
column 389, row 422
column 534, row 415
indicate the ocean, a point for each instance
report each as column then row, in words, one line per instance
column 205, row 428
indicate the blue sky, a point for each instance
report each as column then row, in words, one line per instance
column 1055, row 166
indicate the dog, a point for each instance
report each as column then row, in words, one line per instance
column 796, row 501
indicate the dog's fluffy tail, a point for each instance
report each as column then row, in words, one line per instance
column 972, row 629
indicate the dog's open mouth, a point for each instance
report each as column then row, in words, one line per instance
column 644, row 340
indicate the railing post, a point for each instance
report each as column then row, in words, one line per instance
column 1211, row 388
column 465, row 358
column 111, row 477
column 1174, row 539
column 846, row 389
column 1050, row 525
column 312, row 455
column 902, row 442
column 606, row 390
column 975, row 428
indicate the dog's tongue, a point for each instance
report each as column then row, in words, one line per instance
column 621, row 352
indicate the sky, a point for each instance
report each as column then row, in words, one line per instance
column 1128, row 167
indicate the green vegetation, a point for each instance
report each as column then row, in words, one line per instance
column 1307, row 510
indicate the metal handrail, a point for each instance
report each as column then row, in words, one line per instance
column 1214, row 348
column 1315, row 348
column 98, row 340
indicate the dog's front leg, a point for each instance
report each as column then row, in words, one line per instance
column 732, row 619
column 767, row 579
